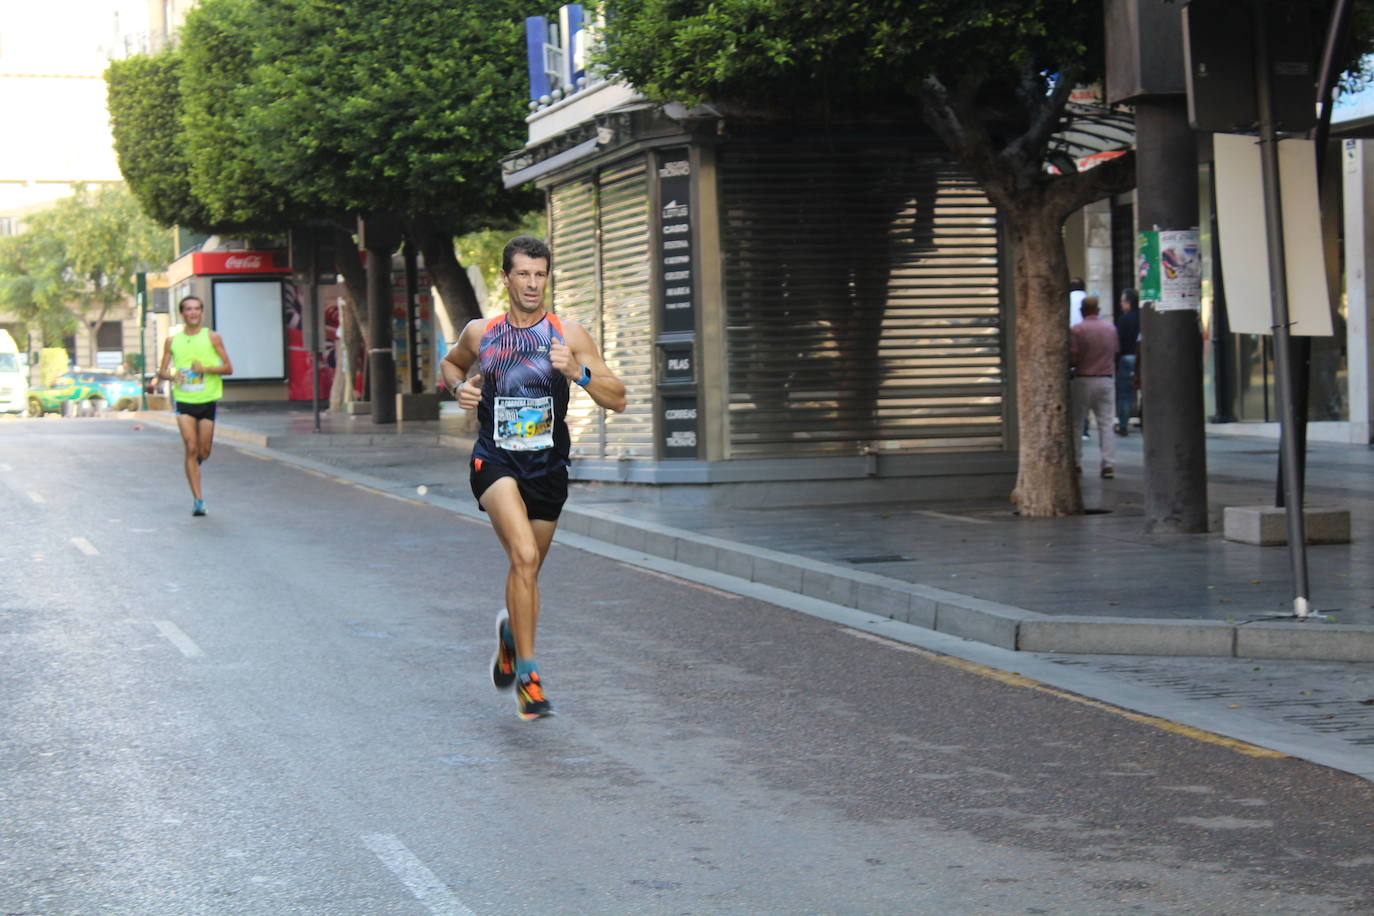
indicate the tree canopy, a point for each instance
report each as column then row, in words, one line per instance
column 78, row 259
column 295, row 112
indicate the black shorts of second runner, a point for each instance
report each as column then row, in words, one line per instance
column 544, row 496
column 205, row 411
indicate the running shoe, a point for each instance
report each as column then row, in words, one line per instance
column 503, row 661
column 198, row 508
column 529, row 693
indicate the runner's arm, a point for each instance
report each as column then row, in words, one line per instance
column 225, row 367
column 456, row 363
column 605, row 388
column 166, row 359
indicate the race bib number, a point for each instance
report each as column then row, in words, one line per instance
column 523, row 424
column 192, row 381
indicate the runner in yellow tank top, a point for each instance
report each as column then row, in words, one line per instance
column 198, row 356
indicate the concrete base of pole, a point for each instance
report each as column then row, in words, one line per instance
column 1266, row 526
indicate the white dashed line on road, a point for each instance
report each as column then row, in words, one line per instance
column 174, row 635
column 86, row 547
column 422, row 882
column 36, row 497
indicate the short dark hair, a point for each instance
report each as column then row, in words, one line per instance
column 1131, row 295
column 186, row 299
column 1090, row 305
column 527, row 245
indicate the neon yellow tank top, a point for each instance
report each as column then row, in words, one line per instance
column 195, row 387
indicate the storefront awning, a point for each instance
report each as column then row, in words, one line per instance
column 544, row 166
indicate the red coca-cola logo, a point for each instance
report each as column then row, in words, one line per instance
column 234, row 262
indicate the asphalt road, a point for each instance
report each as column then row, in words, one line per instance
column 284, row 708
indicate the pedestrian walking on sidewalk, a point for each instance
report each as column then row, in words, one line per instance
column 526, row 360
column 200, row 361
column 1127, row 336
column 1092, row 355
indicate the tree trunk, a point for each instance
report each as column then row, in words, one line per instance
column 355, row 280
column 449, row 277
column 1046, row 482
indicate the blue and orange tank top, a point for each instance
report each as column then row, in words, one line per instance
column 522, row 416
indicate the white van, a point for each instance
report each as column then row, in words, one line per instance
column 14, row 378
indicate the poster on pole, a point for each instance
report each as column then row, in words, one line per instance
column 1169, row 269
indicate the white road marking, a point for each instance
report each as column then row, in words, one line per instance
column 954, row 518
column 86, row 547
column 36, row 497
column 5, row 467
column 422, row 882
column 176, row 637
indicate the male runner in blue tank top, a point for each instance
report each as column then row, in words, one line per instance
column 526, row 359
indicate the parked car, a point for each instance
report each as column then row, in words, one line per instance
column 95, row 390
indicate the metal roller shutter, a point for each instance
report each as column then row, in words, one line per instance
column 601, row 279
column 627, row 338
column 572, row 236
column 862, row 302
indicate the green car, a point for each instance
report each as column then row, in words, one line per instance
column 94, row 389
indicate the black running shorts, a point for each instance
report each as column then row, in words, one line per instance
column 203, row 411
column 544, row 496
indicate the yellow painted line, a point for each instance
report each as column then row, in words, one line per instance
column 1017, row 680
column 366, row 488
column 687, row 582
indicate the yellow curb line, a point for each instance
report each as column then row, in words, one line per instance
column 1017, row 680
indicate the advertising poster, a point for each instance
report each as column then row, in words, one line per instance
column 1170, row 269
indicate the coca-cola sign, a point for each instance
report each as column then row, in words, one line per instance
column 235, row 262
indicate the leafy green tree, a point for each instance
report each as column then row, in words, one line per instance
column 315, row 112
column 398, row 107
column 34, row 284
column 144, row 99
column 77, row 260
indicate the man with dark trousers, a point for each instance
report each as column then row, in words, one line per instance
column 526, row 359
column 1127, row 335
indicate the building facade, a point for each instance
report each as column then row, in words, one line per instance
column 799, row 312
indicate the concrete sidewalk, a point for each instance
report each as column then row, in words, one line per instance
column 1089, row 584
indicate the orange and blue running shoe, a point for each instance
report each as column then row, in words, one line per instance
column 529, row 693
column 503, row 662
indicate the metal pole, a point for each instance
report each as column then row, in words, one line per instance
column 141, row 285
column 1278, row 300
column 313, row 338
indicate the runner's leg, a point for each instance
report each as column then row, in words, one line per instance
column 525, row 548
column 206, row 437
column 190, row 440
